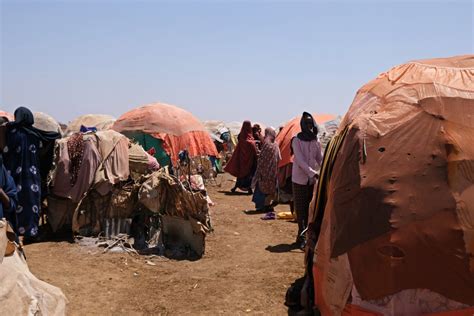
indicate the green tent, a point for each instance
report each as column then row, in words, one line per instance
column 147, row 142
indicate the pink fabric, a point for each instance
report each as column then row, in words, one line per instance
column 307, row 161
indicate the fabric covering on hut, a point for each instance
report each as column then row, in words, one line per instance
column 395, row 203
column 168, row 129
column 89, row 167
column 46, row 123
column 100, row 122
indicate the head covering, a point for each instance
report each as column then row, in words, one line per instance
column 24, row 119
column 245, row 154
column 270, row 135
column 246, row 131
column 306, row 133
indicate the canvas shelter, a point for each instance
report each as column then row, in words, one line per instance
column 395, row 202
column 167, row 128
column 45, row 122
column 101, row 122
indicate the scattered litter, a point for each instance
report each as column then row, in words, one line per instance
column 148, row 262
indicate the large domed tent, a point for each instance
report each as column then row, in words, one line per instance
column 168, row 129
column 395, row 202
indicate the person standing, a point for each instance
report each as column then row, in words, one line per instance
column 307, row 161
column 266, row 176
column 8, row 197
column 243, row 162
column 22, row 161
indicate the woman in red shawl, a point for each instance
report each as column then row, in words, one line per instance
column 243, row 162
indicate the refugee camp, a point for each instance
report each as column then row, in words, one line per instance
column 237, row 158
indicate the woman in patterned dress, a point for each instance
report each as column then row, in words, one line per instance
column 22, row 161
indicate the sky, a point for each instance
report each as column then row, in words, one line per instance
column 262, row 60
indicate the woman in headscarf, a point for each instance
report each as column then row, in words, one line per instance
column 243, row 162
column 266, row 175
column 8, row 197
column 257, row 136
column 307, row 161
column 24, row 145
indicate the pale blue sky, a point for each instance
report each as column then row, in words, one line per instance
column 231, row 60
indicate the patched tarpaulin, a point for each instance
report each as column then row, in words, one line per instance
column 178, row 129
column 399, row 213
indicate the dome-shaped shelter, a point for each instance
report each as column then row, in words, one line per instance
column 7, row 115
column 167, row 128
column 395, row 202
column 101, row 122
column 46, row 123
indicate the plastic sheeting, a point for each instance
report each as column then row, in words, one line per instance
column 178, row 129
column 399, row 211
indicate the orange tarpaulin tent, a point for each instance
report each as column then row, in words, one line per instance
column 289, row 131
column 177, row 128
column 395, row 201
column 9, row 116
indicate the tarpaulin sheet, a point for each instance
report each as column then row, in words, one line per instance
column 178, row 129
column 9, row 116
column 289, row 131
column 400, row 200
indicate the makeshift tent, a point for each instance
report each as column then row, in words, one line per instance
column 100, row 121
column 168, row 129
column 395, row 202
column 45, row 122
column 7, row 115
column 99, row 175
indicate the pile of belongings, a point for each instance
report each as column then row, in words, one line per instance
column 391, row 231
column 327, row 130
column 21, row 293
column 184, row 214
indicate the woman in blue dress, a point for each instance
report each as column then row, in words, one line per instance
column 22, row 161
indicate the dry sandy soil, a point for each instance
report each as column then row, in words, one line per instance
column 247, row 269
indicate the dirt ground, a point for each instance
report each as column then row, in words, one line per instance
column 247, row 269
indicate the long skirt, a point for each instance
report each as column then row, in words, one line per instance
column 302, row 195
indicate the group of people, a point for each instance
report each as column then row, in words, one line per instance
column 255, row 165
column 25, row 159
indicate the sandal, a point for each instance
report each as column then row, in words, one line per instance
column 269, row 216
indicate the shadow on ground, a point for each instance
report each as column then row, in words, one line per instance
column 281, row 248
